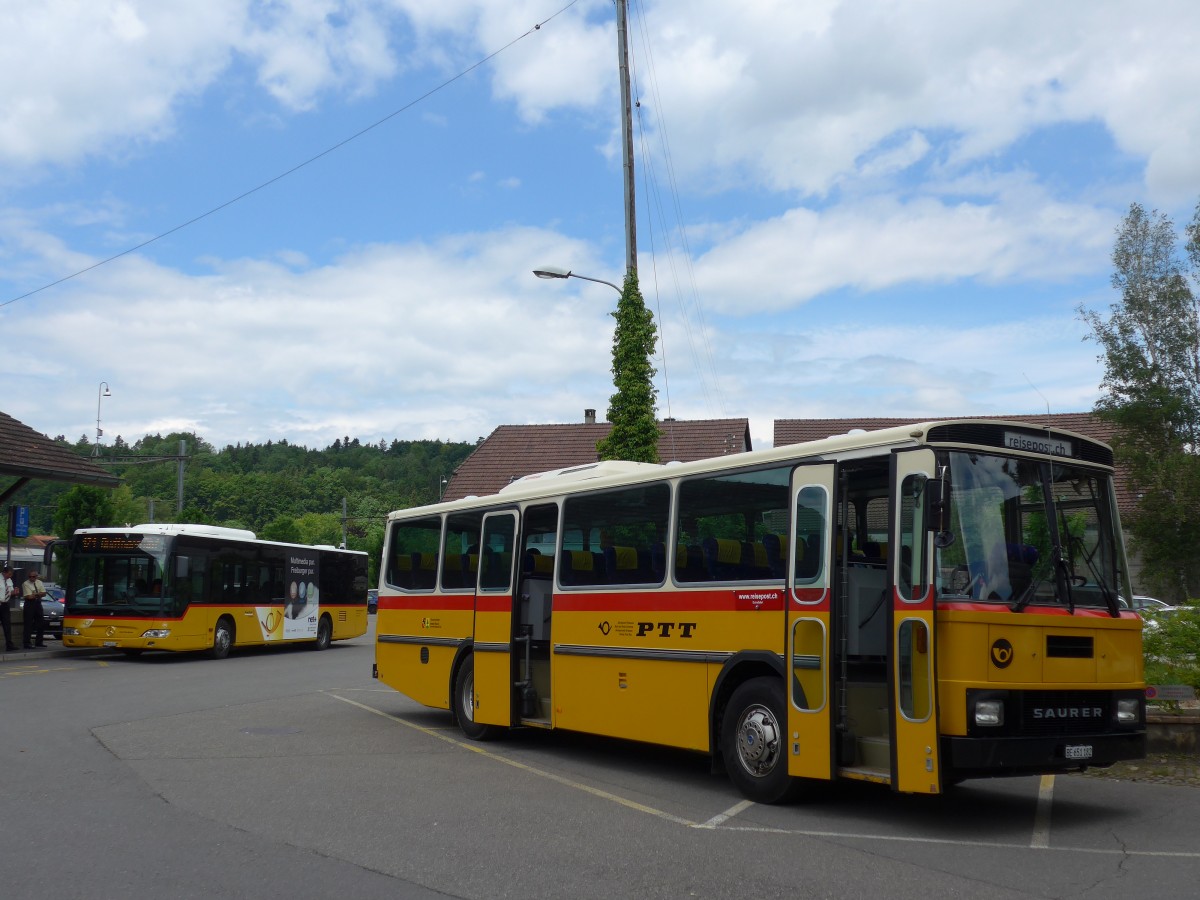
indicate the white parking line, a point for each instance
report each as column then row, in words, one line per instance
column 1041, row 834
column 728, row 814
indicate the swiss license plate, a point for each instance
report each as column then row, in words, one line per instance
column 1079, row 751
column 114, row 643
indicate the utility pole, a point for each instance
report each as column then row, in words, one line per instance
column 179, row 481
column 626, row 139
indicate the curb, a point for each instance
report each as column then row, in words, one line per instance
column 50, row 651
column 1173, row 734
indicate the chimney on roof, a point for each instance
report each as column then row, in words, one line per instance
column 589, row 417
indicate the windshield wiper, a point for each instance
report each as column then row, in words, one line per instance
column 1066, row 570
column 1030, row 592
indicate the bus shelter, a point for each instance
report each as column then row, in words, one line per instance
column 26, row 455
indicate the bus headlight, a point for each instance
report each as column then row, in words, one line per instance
column 1127, row 711
column 157, row 633
column 989, row 712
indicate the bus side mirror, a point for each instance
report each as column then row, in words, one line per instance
column 937, row 498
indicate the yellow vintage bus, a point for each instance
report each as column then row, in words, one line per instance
column 913, row 606
column 200, row 587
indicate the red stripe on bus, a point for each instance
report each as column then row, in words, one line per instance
column 430, row 602
column 980, row 606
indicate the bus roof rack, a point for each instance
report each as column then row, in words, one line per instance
column 602, row 469
column 218, row 531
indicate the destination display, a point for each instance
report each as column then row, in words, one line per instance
column 1055, row 446
column 121, row 543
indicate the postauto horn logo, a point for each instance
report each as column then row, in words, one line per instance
column 1002, row 653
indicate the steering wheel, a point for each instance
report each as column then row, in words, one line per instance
column 960, row 580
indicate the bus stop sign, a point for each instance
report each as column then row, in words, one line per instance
column 21, row 522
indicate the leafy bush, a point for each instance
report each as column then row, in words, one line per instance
column 1171, row 644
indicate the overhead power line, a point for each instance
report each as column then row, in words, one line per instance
column 298, row 166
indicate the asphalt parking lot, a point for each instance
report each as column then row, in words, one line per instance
column 290, row 773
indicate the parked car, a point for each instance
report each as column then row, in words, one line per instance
column 56, row 591
column 53, row 611
column 1151, row 605
column 372, row 600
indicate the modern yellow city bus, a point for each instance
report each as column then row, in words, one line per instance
column 198, row 587
column 913, row 606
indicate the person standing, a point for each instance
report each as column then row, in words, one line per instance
column 35, row 623
column 6, row 586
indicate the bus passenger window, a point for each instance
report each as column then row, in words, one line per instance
column 412, row 554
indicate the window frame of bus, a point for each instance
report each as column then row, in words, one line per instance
column 713, row 562
column 604, row 531
column 419, row 525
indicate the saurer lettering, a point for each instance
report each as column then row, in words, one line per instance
column 1068, row 712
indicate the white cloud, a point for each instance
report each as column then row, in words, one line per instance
column 884, row 242
column 429, row 340
column 793, row 96
column 79, row 75
column 84, row 77
column 797, row 96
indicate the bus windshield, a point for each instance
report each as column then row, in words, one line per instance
column 121, row 575
column 1024, row 531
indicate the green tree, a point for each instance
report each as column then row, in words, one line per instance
column 84, row 507
column 126, row 509
column 631, row 408
column 1151, row 392
column 282, row 529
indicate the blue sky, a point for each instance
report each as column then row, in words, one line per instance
column 844, row 209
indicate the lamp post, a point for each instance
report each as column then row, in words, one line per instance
column 557, row 272
column 101, row 393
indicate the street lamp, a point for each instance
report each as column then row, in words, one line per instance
column 101, row 393
column 556, row 272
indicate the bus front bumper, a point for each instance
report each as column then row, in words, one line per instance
column 1025, row 755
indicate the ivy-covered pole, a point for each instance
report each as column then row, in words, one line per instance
column 631, row 408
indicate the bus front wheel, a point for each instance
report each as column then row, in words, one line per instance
column 754, row 741
column 464, row 704
column 222, row 639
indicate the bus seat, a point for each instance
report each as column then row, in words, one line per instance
column 776, row 548
column 754, row 561
column 1021, row 560
column 424, row 569
column 624, row 565
column 537, row 564
column 722, row 558
column 689, row 563
column 1022, row 553
column 582, row 567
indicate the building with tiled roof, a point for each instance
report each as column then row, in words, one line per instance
column 513, row 451
column 26, row 455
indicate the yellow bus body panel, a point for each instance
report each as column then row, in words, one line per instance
column 973, row 652
column 493, row 669
column 253, row 626
column 404, row 635
column 657, row 700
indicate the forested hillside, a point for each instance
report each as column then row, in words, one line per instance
column 279, row 490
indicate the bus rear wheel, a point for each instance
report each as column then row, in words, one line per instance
column 324, row 634
column 464, row 704
column 222, row 639
column 754, row 741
